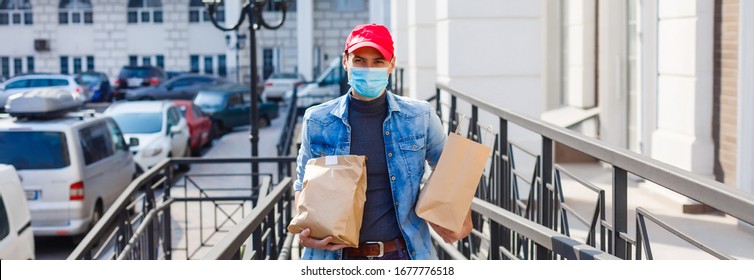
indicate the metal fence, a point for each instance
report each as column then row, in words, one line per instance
column 164, row 214
column 547, row 202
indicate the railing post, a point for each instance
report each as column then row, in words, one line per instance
column 544, row 201
column 438, row 104
column 620, row 211
column 451, row 126
column 167, row 231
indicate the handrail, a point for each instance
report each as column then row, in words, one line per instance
column 552, row 240
column 227, row 247
column 733, row 201
column 97, row 232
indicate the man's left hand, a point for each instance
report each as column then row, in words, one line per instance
column 450, row 236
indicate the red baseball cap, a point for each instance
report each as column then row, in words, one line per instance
column 371, row 35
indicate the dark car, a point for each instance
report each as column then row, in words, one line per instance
column 133, row 77
column 183, row 87
column 99, row 85
column 228, row 106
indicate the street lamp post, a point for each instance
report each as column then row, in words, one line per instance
column 253, row 9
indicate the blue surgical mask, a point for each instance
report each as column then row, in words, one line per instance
column 368, row 82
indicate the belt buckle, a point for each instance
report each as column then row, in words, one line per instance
column 382, row 248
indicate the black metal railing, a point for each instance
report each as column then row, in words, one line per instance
column 547, row 201
column 263, row 234
column 291, row 118
column 148, row 222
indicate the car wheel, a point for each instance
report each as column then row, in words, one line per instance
column 186, row 154
column 96, row 216
column 217, row 130
column 195, row 152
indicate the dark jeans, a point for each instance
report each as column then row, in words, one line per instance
column 394, row 255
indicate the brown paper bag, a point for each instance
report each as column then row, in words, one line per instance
column 446, row 197
column 331, row 202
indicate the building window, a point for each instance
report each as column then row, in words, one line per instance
column 277, row 6
column 144, row 11
column 222, row 69
column 30, row 64
column 208, row 65
column 350, row 5
column 75, row 12
column 64, row 65
column 15, row 12
column 198, row 13
column 76, row 65
column 90, row 63
column 160, row 61
column 5, row 67
column 18, row 65
column 194, row 64
column 147, row 60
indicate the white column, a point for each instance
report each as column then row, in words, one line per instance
column 304, row 31
column 421, row 72
column 683, row 136
column 492, row 49
column 580, row 61
column 232, row 12
column 399, row 30
column 745, row 139
column 552, row 50
column 612, row 84
column 745, row 101
column 379, row 12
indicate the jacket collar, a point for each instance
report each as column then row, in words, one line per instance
column 341, row 110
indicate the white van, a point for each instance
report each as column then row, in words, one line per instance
column 73, row 166
column 325, row 88
column 16, row 237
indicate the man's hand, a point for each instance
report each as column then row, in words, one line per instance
column 450, row 236
column 323, row 244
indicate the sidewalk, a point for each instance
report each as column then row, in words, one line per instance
column 719, row 231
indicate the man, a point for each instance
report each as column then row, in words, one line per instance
column 396, row 134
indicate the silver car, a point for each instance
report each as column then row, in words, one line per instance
column 24, row 83
column 278, row 84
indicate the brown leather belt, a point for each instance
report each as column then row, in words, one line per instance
column 376, row 248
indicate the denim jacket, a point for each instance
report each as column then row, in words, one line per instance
column 412, row 132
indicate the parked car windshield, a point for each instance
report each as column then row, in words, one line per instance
column 50, row 150
column 134, row 73
column 139, row 122
column 283, row 76
column 209, row 99
column 89, row 79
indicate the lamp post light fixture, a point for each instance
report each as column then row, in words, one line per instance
column 253, row 9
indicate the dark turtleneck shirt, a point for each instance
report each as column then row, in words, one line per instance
column 366, row 119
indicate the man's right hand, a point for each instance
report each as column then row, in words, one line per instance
column 323, row 244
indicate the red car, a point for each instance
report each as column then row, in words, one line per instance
column 200, row 125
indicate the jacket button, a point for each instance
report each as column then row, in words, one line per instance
column 323, row 153
column 396, row 203
column 387, row 132
column 392, row 178
column 413, row 253
column 389, row 154
column 414, row 146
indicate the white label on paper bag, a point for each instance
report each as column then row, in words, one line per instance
column 331, row 160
